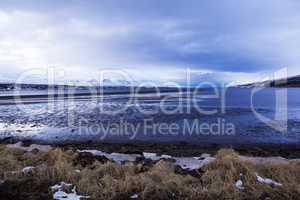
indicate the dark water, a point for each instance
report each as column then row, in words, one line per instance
column 235, row 115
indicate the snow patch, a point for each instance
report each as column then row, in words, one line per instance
column 94, row 152
column 151, row 156
column 192, row 163
column 189, row 163
column 120, row 157
column 135, row 196
column 267, row 181
column 27, row 169
column 239, row 185
column 60, row 186
column 166, row 156
column 116, row 157
column 60, row 194
column 20, row 146
column 205, row 155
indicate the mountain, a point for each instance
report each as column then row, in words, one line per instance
column 293, row 81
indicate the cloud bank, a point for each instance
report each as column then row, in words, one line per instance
column 156, row 40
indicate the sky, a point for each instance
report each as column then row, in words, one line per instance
column 217, row 40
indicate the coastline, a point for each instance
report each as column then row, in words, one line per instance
column 289, row 151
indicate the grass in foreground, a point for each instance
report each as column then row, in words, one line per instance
column 102, row 179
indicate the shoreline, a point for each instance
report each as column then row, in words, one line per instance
column 289, row 151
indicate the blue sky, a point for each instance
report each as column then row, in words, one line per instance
column 238, row 41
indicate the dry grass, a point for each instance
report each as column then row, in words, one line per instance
column 161, row 181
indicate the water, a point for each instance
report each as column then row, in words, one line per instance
column 196, row 117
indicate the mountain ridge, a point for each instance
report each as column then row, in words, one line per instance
column 291, row 82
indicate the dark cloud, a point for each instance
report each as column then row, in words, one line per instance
column 217, row 35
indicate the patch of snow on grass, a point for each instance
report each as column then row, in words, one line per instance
column 30, row 148
column 135, row 196
column 117, row 157
column 151, row 156
column 188, row 163
column 239, row 185
column 59, row 194
column 120, row 157
column 94, row 152
column 191, row 163
column 267, row 181
column 166, row 156
column 27, row 169
column 60, row 186
column 205, row 155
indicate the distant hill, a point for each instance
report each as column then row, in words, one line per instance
column 289, row 82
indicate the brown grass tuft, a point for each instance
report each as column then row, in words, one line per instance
column 109, row 180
